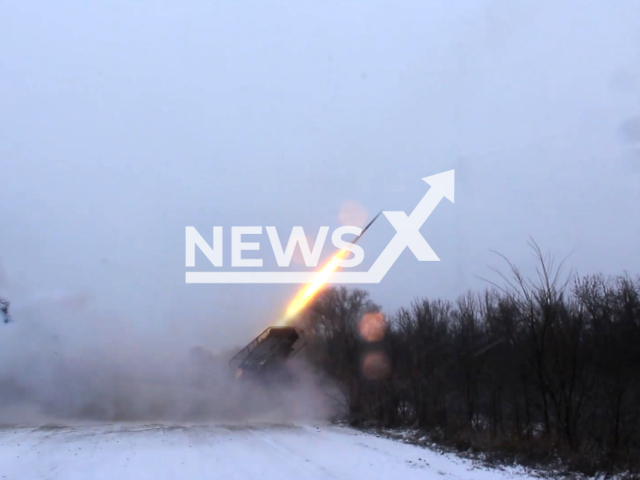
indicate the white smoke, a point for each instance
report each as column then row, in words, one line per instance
column 61, row 361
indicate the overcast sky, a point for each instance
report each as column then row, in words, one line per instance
column 122, row 122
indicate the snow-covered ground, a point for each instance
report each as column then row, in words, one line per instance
column 265, row 451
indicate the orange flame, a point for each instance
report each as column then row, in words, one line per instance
column 309, row 291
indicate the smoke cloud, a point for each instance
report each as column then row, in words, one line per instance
column 56, row 365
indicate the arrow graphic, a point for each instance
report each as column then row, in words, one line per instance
column 408, row 228
column 407, row 235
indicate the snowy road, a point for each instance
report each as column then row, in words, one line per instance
column 223, row 452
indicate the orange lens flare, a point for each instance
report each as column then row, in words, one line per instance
column 376, row 365
column 372, row 327
column 309, row 291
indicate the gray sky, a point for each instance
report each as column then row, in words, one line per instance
column 123, row 122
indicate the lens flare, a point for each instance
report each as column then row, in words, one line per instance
column 372, row 327
column 376, row 365
column 352, row 213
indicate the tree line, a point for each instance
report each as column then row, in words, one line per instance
column 531, row 371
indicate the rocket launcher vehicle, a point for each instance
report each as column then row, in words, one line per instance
column 266, row 355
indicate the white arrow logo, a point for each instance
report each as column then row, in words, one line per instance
column 407, row 235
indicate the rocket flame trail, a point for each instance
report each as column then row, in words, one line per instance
column 308, row 292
